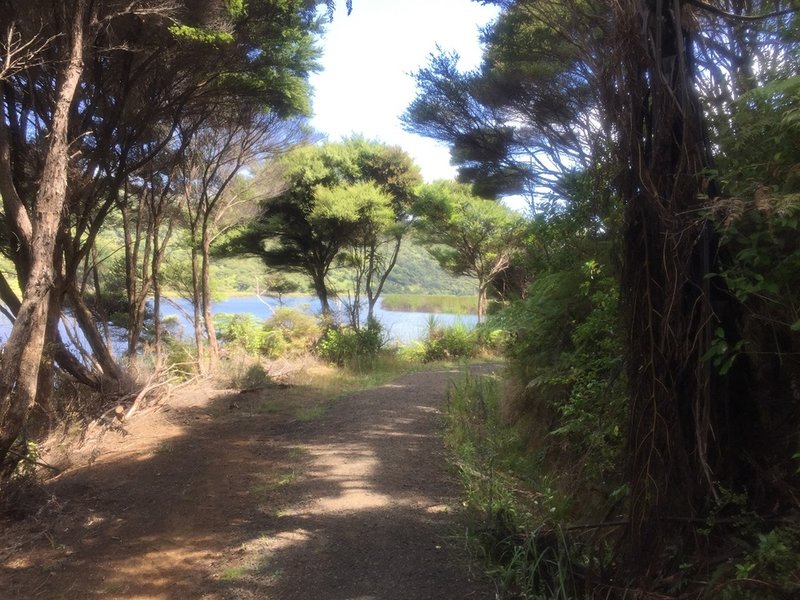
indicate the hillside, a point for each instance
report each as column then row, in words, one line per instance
column 416, row 272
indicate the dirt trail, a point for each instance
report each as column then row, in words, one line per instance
column 212, row 501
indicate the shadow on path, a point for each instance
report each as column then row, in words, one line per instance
column 356, row 505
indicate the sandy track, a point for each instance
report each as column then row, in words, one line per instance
column 222, row 504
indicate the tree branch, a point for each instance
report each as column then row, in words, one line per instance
column 750, row 18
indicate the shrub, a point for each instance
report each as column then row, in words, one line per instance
column 181, row 358
column 242, row 330
column 343, row 345
column 289, row 331
column 445, row 343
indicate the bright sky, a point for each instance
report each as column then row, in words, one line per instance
column 368, row 60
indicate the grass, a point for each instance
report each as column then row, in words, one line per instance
column 459, row 305
column 234, row 573
column 281, row 480
column 515, row 514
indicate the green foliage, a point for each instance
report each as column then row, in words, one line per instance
column 449, row 342
column 760, row 141
column 488, row 450
column 340, row 198
column 352, row 347
column 289, row 331
column 26, row 467
column 567, row 344
column 242, row 330
column 458, row 305
column 498, row 473
column 467, row 235
column 197, row 34
column 769, row 571
column 181, row 358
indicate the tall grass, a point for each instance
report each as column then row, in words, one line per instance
column 516, row 515
column 459, row 305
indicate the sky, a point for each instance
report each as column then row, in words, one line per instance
column 368, row 61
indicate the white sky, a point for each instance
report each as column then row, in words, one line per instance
column 368, row 60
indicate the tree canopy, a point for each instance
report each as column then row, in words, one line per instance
column 338, row 196
column 468, row 235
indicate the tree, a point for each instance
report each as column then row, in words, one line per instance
column 369, row 212
column 19, row 364
column 216, row 198
column 307, row 227
column 626, row 89
column 100, row 100
column 530, row 113
column 468, row 235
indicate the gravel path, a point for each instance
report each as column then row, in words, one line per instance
column 354, row 505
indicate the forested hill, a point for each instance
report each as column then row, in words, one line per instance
column 416, row 272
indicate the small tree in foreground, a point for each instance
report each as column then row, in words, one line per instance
column 466, row 234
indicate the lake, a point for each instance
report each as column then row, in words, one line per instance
column 402, row 327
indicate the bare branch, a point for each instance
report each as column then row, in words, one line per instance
column 729, row 15
column 18, row 54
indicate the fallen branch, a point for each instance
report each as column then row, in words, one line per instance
column 32, row 461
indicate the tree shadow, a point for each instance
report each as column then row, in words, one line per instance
column 356, row 504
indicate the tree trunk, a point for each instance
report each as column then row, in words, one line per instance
column 483, row 290
column 197, row 312
column 21, row 359
column 321, row 289
column 677, row 402
column 87, row 323
column 65, row 359
column 374, row 294
column 208, row 318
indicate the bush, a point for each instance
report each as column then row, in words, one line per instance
column 181, row 358
column 242, row 330
column 344, row 345
column 445, row 343
column 252, row 376
column 289, row 331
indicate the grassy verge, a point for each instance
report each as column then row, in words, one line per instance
column 459, row 305
column 514, row 513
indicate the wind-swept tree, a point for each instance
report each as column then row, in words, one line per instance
column 468, row 235
column 307, row 227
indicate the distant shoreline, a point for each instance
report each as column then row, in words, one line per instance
column 458, row 305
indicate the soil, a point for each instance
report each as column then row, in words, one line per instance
column 216, row 497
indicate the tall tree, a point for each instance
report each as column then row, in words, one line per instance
column 301, row 234
column 102, row 97
column 468, row 235
column 22, row 354
column 215, row 196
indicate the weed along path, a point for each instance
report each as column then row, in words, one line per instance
column 234, row 496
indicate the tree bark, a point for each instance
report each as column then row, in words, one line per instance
column 208, row 318
column 22, row 356
column 86, row 321
column 678, row 403
column 197, row 312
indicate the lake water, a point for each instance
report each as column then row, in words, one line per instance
column 402, row 327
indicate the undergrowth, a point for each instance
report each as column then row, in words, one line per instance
column 541, row 539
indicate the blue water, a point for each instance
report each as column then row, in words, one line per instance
column 401, row 327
